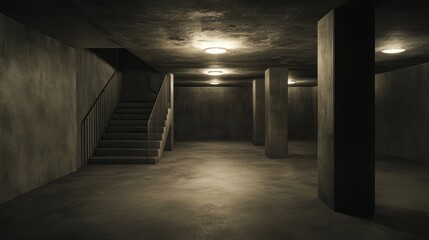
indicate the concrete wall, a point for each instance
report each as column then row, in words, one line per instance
column 137, row 84
column 213, row 113
column 37, row 109
column 402, row 113
column 46, row 88
column 141, row 82
column 92, row 75
column 302, row 118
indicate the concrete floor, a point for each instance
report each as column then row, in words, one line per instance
column 215, row 190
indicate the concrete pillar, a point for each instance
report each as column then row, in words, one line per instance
column 346, row 108
column 258, row 112
column 276, row 112
column 169, row 145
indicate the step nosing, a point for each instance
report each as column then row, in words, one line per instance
column 126, row 149
column 131, row 140
column 138, row 157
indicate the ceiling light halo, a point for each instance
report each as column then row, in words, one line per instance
column 215, row 50
column 215, row 72
column 393, row 50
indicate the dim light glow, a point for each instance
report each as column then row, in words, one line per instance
column 214, row 83
column 215, row 50
column 393, row 50
column 214, row 72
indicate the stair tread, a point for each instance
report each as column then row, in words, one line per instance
column 124, row 133
column 128, row 126
column 132, row 114
column 131, row 140
column 134, row 108
column 104, row 148
column 137, row 102
column 142, row 120
column 123, row 157
column 116, row 126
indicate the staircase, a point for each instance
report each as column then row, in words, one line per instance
column 125, row 139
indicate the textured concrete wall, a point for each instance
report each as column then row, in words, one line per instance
column 213, row 113
column 137, row 84
column 315, row 110
column 92, row 75
column 301, row 113
column 37, row 109
column 402, row 113
column 258, row 89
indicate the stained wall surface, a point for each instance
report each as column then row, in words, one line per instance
column 92, row 75
column 37, row 109
column 141, row 85
column 402, row 113
column 195, row 120
column 213, row 113
column 302, row 117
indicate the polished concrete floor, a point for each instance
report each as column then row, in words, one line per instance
column 216, row 190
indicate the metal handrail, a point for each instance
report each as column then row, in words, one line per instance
column 99, row 95
column 98, row 116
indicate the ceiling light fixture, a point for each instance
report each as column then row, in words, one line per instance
column 215, row 73
column 393, row 50
column 215, row 50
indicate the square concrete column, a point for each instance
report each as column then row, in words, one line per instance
column 258, row 112
column 276, row 112
column 346, row 108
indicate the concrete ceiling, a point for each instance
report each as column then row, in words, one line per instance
column 171, row 35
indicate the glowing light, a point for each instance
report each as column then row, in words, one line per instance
column 215, row 50
column 216, row 40
column 215, row 73
column 393, row 50
column 214, row 83
column 291, row 82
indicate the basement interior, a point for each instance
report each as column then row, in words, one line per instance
column 214, row 119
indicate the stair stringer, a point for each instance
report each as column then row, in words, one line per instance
column 166, row 129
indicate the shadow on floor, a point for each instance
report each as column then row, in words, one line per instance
column 409, row 221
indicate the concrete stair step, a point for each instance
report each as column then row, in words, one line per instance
column 126, row 130
column 130, row 136
column 122, row 160
column 134, row 123
column 126, row 152
column 132, row 130
column 135, row 104
column 129, row 144
column 126, row 116
column 133, row 110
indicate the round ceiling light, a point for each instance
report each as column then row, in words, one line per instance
column 215, row 50
column 215, row 73
column 393, row 50
column 214, row 83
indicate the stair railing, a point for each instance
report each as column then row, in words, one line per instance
column 98, row 116
column 159, row 112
